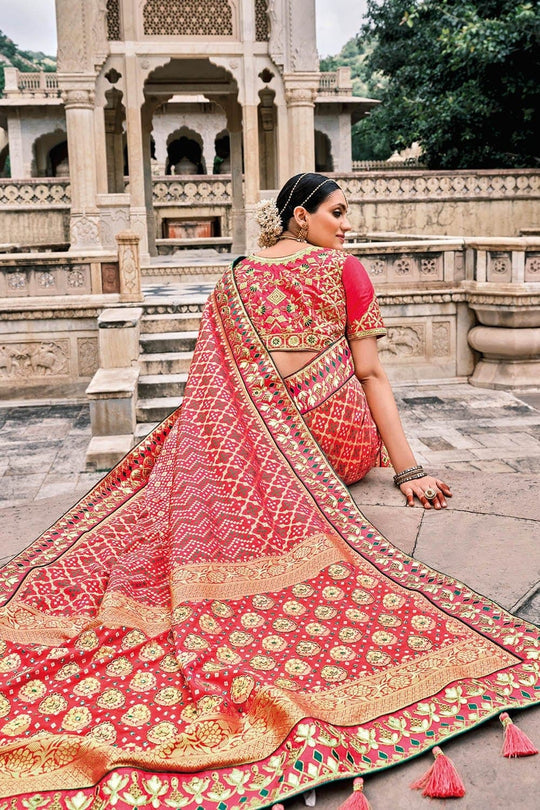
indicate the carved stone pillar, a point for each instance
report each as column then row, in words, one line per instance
column 237, row 193
column 147, row 114
column 129, row 266
column 300, row 93
column 84, row 224
column 16, row 156
column 136, row 154
column 238, row 214
column 251, row 153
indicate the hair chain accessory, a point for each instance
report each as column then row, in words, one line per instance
column 292, row 192
column 327, row 180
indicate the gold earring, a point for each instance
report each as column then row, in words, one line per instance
column 303, row 233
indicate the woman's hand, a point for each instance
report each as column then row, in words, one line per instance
column 418, row 488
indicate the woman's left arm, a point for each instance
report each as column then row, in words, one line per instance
column 383, row 407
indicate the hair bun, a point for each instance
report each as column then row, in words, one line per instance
column 268, row 218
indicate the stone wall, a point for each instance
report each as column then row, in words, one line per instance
column 403, row 202
column 49, row 305
column 457, row 203
column 34, row 212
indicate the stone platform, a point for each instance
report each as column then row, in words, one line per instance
column 486, row 444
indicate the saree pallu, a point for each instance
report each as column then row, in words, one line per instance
column 217, row 625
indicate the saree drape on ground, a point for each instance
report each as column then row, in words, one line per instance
column 216, row 625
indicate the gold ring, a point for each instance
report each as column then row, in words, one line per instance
column 430, row 494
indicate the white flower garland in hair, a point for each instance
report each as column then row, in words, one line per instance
column 268, row 218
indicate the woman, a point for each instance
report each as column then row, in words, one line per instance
column 216, row 624
column 324, row 305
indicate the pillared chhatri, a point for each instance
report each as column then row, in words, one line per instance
column 227, row 86
column 164, row 125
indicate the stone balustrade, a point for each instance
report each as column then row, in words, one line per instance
column 36, row 83
column 49, row 275
column 389, row 184
column 336, row 82
column 187, row 190
column 43, row 192
column 420, row 184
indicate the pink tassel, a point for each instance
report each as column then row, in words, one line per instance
column 442, row 780
column 277, row 807
column 357, row 801
column 516, row 743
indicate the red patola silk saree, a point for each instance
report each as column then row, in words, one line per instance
column 216, row 625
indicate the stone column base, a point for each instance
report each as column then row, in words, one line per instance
column 507, row 375
column 511, row 357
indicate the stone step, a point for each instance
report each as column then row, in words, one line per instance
column 156, row 409
column 165, row 362
column 143, row 429
column 162, row 385
column 168, row 342
column 171, row 322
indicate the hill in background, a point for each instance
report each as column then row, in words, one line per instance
column 12, row 56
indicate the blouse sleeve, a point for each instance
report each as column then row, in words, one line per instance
column 364, row 317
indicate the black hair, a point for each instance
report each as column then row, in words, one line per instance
column 310, row 190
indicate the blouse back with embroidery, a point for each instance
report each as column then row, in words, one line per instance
column 308, row 300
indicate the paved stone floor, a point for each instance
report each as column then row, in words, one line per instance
column 485, row 443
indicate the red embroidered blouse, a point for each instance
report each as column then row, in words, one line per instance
column 308, row 300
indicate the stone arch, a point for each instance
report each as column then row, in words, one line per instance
column 324, row 162
column 185, row 146
column 192, row 18
column 50, row 155
column 222, row 157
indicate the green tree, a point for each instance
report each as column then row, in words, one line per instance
column 462, row 79
column 366, row 144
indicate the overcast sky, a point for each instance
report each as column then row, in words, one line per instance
column 30, row 23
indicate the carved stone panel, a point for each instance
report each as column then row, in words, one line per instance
column 44, row 281
column 78, row 281
column 84, row 232
column 441, row 339
column 34, row 360
column 499, row 267
column 87, row 355
column 17, row 283
column 194, row 18
column 532, row 267
column 403, row 343
column 110, row 277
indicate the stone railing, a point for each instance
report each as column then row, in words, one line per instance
column 38, row 83
column 387, row 185
column 35, row 193
column 336, row 82
column 192, row 190
column 40, row 275
column 384, row 165
column 419, row 184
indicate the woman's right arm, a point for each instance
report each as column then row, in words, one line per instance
column 385, row 413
